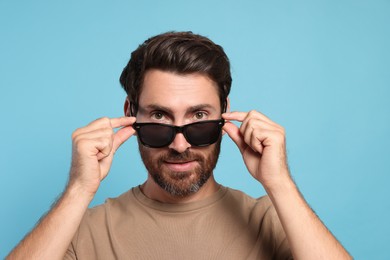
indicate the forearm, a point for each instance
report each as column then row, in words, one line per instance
column 53, row 234
column 307, row 235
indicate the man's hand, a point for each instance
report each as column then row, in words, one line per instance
column 262, row 145
column 93, row 150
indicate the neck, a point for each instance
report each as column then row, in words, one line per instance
column 153, row 191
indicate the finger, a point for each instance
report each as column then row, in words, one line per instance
column 256, row 144
column 241, row 116
column 122, row 121
column 237, row 116
column 95, row 134
column 95, row 143
column 261, row 139
column 250, row 124
column 104, row 149
column 121, row 136
column 104, row 122
column 234, row 133
column 98, row 123
column 254, row 139
column 99, row 147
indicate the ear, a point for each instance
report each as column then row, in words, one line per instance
column 227, row 104
column 127, row 107
column 227, row 110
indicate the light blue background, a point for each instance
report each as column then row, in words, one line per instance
column 319, row 68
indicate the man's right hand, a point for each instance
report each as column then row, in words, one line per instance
column 94, row 147
column 93, row 150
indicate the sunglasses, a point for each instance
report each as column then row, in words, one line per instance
column 199, row 134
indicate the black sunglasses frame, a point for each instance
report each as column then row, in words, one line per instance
column 178, row 129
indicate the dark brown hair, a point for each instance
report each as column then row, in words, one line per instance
column 179, row 52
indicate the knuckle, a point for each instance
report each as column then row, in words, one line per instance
column 251, row 123
column 75, row 133
column 76, row 139
column 105, row 120
column 252, row 112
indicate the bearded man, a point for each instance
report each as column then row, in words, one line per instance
column 177, row 105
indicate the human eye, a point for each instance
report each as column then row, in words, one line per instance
column 200, row 115
column 157, row 115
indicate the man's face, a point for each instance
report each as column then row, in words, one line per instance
column 170, row 98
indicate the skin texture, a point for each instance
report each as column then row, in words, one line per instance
column 186, row 98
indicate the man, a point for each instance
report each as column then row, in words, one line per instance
column 177, row 105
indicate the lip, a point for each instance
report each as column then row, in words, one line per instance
column 180, row 166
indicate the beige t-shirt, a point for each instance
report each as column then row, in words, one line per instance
column 227, row 225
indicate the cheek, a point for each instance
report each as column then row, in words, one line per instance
column 150, row 156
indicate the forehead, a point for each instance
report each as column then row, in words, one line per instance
column 178, row 91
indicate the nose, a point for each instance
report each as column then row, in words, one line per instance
column 180, row 143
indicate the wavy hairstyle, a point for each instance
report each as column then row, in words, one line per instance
column 178, row 52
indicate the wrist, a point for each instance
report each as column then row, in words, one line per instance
column 76, row 192
column 281, row 186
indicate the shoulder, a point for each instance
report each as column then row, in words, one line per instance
column 99, row 214
column 252, row 209
column 263, row 202
column 95, row 230
column 262, row 216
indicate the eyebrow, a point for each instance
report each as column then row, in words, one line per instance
column 200, row 107
column 170, row 111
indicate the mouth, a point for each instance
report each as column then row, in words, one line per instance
column 180, row 166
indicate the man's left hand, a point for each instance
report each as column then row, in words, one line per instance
column 262, row 145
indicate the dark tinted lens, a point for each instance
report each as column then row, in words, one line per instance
column 155, row 135
column 203, row 133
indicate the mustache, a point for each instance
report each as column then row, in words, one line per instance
column 173, row 155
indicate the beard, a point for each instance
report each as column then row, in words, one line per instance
column 181, row 184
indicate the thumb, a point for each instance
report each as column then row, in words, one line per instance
column 234, row 133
